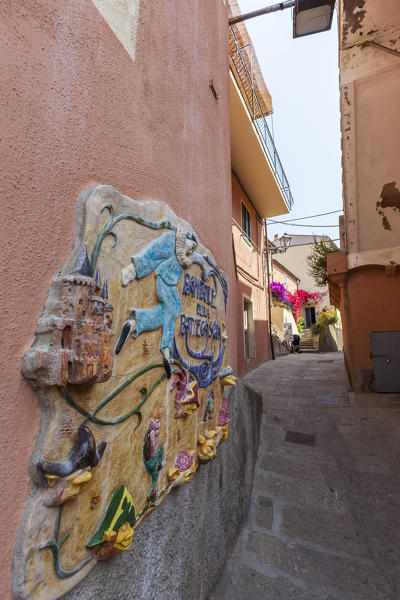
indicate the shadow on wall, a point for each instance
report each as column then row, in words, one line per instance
column 331, row 339
column 253, row 347
column 262, row 339
column 253, row 344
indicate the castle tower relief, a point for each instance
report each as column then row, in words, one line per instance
column 74, row 345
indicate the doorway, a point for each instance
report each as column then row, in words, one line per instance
column 309, row 314
column 248, row 326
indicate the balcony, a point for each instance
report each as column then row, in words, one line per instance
column 255, row 158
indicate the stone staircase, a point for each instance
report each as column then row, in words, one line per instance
column 308, row 342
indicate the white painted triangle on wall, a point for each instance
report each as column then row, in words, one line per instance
column 122, row 17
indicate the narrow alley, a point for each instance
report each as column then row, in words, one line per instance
column 324, row 519
column 192, row 190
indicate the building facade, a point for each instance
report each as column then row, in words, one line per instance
column 283, row 322
column 259, row 190
column 283, row 275
column 295, row 259
column 100, row 92
column 248, row 240
column 364, row 275
column 139, row 97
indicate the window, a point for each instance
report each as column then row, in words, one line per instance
column 66, row 338
column 246, row 222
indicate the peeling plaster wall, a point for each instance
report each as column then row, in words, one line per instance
column 377, row 168
column 370, row 88
column 363, row 20
column 369, row 59
column 78, row 110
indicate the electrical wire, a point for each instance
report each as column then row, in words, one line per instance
column 299, row 224
column 309, row 217
column 308, row 243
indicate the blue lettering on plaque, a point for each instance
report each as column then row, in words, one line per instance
column 208, row 361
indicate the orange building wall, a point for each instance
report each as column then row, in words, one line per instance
column 369, row 300
column 76, row 111
column 251, row 280
column 373, row 305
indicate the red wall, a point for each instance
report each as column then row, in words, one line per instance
column 76, row 110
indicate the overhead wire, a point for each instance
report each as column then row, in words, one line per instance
column 308, row 243
column 299, row 224
column 304, row 218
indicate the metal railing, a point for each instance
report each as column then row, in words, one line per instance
column 241, row 71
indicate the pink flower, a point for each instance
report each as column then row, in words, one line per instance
column 186, row 391
column 183, row 461
column 300, row 298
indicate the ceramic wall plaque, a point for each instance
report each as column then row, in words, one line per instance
column 128, row 362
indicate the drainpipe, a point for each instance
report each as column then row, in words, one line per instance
column 268, row 293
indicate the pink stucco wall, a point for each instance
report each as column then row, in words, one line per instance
column 77, row 110
column 251, row 281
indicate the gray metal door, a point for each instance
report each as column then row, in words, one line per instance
column 386, row 356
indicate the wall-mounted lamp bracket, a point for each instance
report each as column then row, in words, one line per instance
column 262, row 11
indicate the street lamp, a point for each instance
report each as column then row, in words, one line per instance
column 284, row 242
column 309, row 16
column 312, row 16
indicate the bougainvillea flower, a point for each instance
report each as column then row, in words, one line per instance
column 300, row 298
column 293, row 301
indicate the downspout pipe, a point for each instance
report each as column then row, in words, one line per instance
column 269, row 292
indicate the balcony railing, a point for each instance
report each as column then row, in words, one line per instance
column 246, row 85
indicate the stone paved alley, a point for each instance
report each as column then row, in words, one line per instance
column 325, row 511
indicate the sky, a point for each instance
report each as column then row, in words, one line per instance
column 303, row 78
